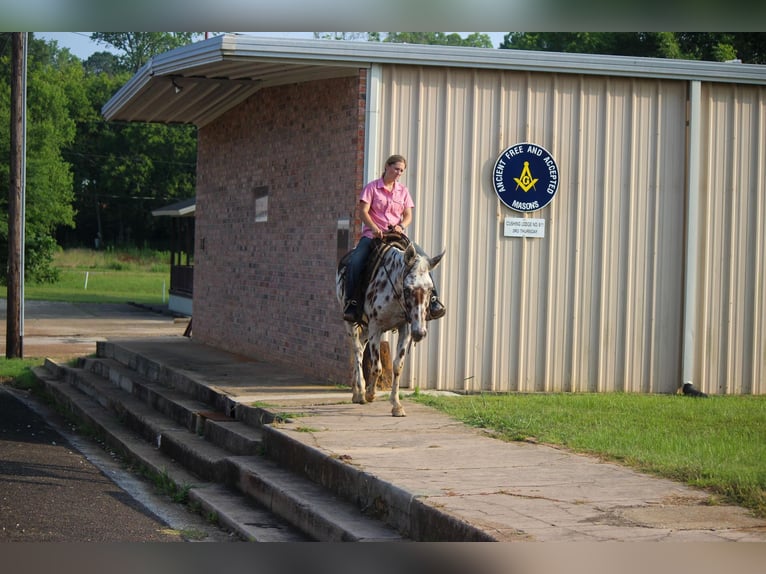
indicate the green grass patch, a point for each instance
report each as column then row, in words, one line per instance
column 18, row 372
column 88, row 276
column 717, row 443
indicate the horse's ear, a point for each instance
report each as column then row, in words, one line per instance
column 410, row 253
column 434, row 261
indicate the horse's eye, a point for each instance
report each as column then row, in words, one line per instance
column 407, row 291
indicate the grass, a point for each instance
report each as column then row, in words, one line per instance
column 717, row 443
column 18, row 372
column 88, row 276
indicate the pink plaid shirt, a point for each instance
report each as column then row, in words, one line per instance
column 385, row 208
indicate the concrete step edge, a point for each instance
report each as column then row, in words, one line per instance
column 234, row 511
column 400, row 509
column 200, row 457
column 327, row 525
column 233, row 436
column 307, row 505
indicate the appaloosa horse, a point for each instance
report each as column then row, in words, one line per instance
column 396, row 298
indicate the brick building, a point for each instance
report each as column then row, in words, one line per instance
column 648, row 270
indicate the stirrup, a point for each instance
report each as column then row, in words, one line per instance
column 436, row 309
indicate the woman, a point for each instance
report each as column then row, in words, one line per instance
column 385, row 205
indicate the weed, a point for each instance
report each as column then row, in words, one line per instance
column 306, row 429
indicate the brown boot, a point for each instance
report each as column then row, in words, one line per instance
column 436, row 309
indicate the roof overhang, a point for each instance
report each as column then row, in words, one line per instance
column 197, row 83
column 183, row 208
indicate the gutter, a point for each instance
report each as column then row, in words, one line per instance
column 692, row 233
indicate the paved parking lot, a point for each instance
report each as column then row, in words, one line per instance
column 62, row 331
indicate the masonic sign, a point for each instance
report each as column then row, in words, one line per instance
column 525, row 177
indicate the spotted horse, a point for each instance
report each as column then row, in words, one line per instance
column 396, row 298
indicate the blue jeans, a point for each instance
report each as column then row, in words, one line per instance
column 355, row 267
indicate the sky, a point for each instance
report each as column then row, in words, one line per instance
column 80, row 45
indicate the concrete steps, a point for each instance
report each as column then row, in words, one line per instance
column 205, row 443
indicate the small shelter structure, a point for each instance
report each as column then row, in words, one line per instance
column 181, row 291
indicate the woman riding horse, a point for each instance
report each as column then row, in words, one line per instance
column 385, row 205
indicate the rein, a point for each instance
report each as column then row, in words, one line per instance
column 405, row 306
column 391, row 240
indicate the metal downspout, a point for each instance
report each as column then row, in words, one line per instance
column 372, row 129
column 692, row 231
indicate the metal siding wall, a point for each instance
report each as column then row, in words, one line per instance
column 596, row 305
column 730, row 348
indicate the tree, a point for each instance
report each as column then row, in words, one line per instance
column 473, row 40
column 138, row 47
column 103, row 62
column 122, row 171
column 342, row 35
column 749, row 47
column 54, row 87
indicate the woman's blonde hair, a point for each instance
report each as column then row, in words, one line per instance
column 396, row 158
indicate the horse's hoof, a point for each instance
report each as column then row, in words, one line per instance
column 358, row 399
column 370, row 398
column 398, row 412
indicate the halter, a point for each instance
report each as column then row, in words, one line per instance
column 406, row 307
column 401, row 242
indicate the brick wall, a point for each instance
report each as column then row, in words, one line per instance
column 267, row 289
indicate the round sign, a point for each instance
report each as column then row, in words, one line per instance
column 525, row 177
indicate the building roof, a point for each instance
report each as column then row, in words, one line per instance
column 197, row 83
column 183, row 208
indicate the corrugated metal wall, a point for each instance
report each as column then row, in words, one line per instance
column 730, row 341
column 595, row 305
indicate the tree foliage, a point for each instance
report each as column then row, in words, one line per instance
column 86, row 175
column 138, row 47
column 122, row 171
column 473, row 40
column 749, row 47
column 54, row 94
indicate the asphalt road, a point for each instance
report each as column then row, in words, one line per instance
column 59, row 485
column 51, row 493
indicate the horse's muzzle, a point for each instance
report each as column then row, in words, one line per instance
column 419, row 334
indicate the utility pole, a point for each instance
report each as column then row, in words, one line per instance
column 14, row 335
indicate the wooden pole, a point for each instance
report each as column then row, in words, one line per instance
column 14, row 334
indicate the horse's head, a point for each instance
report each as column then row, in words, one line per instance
column 417, row 288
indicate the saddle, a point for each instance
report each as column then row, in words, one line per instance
column 379, row 248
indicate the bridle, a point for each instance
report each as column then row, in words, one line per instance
column 406, row 306
column 404, row 302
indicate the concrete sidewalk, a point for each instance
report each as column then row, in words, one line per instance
column 509, row 491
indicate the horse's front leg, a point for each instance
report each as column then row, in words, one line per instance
column 357, row 343
column 375, row 367
column 402, row 346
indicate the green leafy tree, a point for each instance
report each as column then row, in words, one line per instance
column 54, row 89
column 473, row 40
column 124, row 171
column 138, row 47
column 342, row 35
column 749, row 47
column 103, row 62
